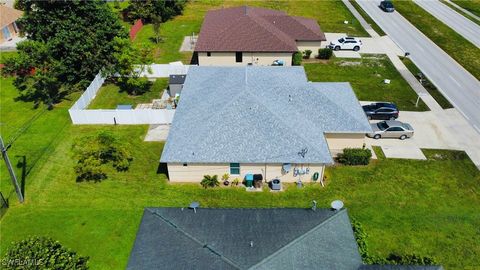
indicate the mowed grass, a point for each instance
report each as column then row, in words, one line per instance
column 432, row 90
column 33, row 132
column 470, row 5
column 428, row 207
column 366, row 76
column 460, row 49
column 110, row 95
column 330, row 15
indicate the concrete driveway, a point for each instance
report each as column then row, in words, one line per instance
column 437, row 130
column 465, row 27
column 371, row 45
column 458, row 85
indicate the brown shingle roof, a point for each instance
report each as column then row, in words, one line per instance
column 255, row 30
column 8, row 15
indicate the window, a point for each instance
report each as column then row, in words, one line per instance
column 238, row 57
column 185, row 164
column 395, row 129
column 235, row 168
column 209, row 54
column 384, row 111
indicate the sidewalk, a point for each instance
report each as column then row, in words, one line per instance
column 438, row 128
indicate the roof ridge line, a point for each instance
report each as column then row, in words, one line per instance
column 280, row 119
column 203, row 245
column 295, row 19
column 332, row 100
column 256, row 18
column 301, row 237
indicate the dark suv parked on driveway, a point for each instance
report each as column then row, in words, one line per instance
column 381, row 111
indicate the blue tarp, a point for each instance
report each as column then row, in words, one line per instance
column 249, row 177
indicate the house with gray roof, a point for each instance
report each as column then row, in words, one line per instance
column 276, row 238
column 245, row 35
column 260, row 120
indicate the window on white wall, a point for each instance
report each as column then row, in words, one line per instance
column 235, row 168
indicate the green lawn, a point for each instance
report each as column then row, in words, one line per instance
column 428, row 207
column 460, row 49
column 109, row 95
column 330, row 15
column 470, row 5
column 441, row 100
column 366, row 77
column 36, row 131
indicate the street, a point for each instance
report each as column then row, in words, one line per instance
column 456, row 84
column 465, row 27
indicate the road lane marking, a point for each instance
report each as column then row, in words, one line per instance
column 456, row 82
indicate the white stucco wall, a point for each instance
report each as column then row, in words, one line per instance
column 195, row 172
column 256, row 58
column 309, row 45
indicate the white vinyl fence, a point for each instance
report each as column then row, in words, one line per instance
column 80, row 115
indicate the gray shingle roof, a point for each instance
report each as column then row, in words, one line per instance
column 259, row 114
column 169, row 238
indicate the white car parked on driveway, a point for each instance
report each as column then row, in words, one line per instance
column 346, row 43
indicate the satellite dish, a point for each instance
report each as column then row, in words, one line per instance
column 194, row 206
column 337, row 205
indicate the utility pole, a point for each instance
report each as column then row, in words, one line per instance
column 10, row 170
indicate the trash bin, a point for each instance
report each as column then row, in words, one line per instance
column 249, row 180
column 276, row 184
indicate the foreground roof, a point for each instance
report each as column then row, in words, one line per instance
column 173, row 238
column 8, row 15
column 255, row 30
column 259, row 114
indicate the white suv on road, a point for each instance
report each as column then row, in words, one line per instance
column 346, row 43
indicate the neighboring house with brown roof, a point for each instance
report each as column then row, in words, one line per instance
column 8, row 17
column 246, row 35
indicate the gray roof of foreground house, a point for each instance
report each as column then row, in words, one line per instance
column 172, row 238
column 259, row 114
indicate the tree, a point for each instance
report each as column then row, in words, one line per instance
column 93, row 152
column 42, row 253
column 148, row 9
column 132, row 62
column 69, row 42
column 156, row 27
column 210, row 181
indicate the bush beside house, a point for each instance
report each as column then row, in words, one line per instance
column 355, row 156
column 325, row 53
column 297, row 59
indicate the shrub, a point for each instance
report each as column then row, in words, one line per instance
column 93, row 152
column 297, row 59
column 235, row 182
column 306, row 54
column 355, row 156
column 210, row 181
column 134, row 85
column 42, row 253
column 325, row 53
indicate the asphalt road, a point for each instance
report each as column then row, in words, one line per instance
column 456, row 21
column 460, row 87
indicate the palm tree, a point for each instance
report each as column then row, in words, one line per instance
column 210, row 181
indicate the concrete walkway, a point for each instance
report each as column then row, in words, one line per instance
column 436, row 129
